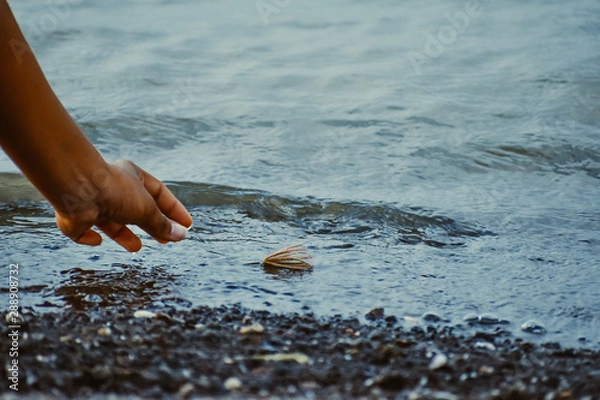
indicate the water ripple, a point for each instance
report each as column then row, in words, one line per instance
column 329, row 217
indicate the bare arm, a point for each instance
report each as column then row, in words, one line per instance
column 47, row 145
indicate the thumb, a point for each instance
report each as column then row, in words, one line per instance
column 162, row 228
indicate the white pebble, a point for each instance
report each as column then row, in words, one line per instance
column 144, row 314
column 185, row 390
column 438, row 361
column 104, row 331
column 233, row 383
column 254, row 328
column 484, row 345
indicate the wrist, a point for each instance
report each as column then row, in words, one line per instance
column 59, row 160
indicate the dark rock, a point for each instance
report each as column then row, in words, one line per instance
column 391, row 380
column 375, row 314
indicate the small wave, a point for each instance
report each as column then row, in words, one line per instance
column 363, row 123
column 15, row 188
column 329, row 217
column 429, row 121
column 140, row 130
column 564, row 159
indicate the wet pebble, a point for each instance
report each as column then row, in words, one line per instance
column 384, row 362
column 486, row 370
column 471, row 317
column 391, row 380
column 484, row 319
column 163, row 317
column 533, row 326
column 432, row 317
column 254, row 328
column 300, row 358
column 491, row 319
column 438, row 361
column 233, row 383
column 375, row 314
column 484, row 345
column 185, row 390
column 65, row 339
column 144, row 314
column 104, row 331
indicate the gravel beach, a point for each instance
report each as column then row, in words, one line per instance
column 232, row 352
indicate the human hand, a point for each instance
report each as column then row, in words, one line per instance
column 44, row 141
column 125, row 194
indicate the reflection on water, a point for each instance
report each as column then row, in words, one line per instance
column 464, row 192
column 130, row 285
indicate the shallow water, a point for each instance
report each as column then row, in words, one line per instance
column 464, row 184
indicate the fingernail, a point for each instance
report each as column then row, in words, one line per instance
column 178, row 232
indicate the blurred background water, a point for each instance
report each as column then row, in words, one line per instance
column 438, row 158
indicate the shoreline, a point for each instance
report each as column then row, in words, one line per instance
column 233, row 352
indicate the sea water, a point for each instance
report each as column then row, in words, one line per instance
column 439, row 159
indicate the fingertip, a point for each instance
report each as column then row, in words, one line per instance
column 190, row 221
column 130, row 242
column 178, row 232
column 134, row 246
column 89, row 238
column 185, row 218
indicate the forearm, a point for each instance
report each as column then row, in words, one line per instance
column 35, row 129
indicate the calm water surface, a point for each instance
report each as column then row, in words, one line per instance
column 432, row 162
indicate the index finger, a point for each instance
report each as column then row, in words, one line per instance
column 165, row 199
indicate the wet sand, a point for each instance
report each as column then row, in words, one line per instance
column 231, row 352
